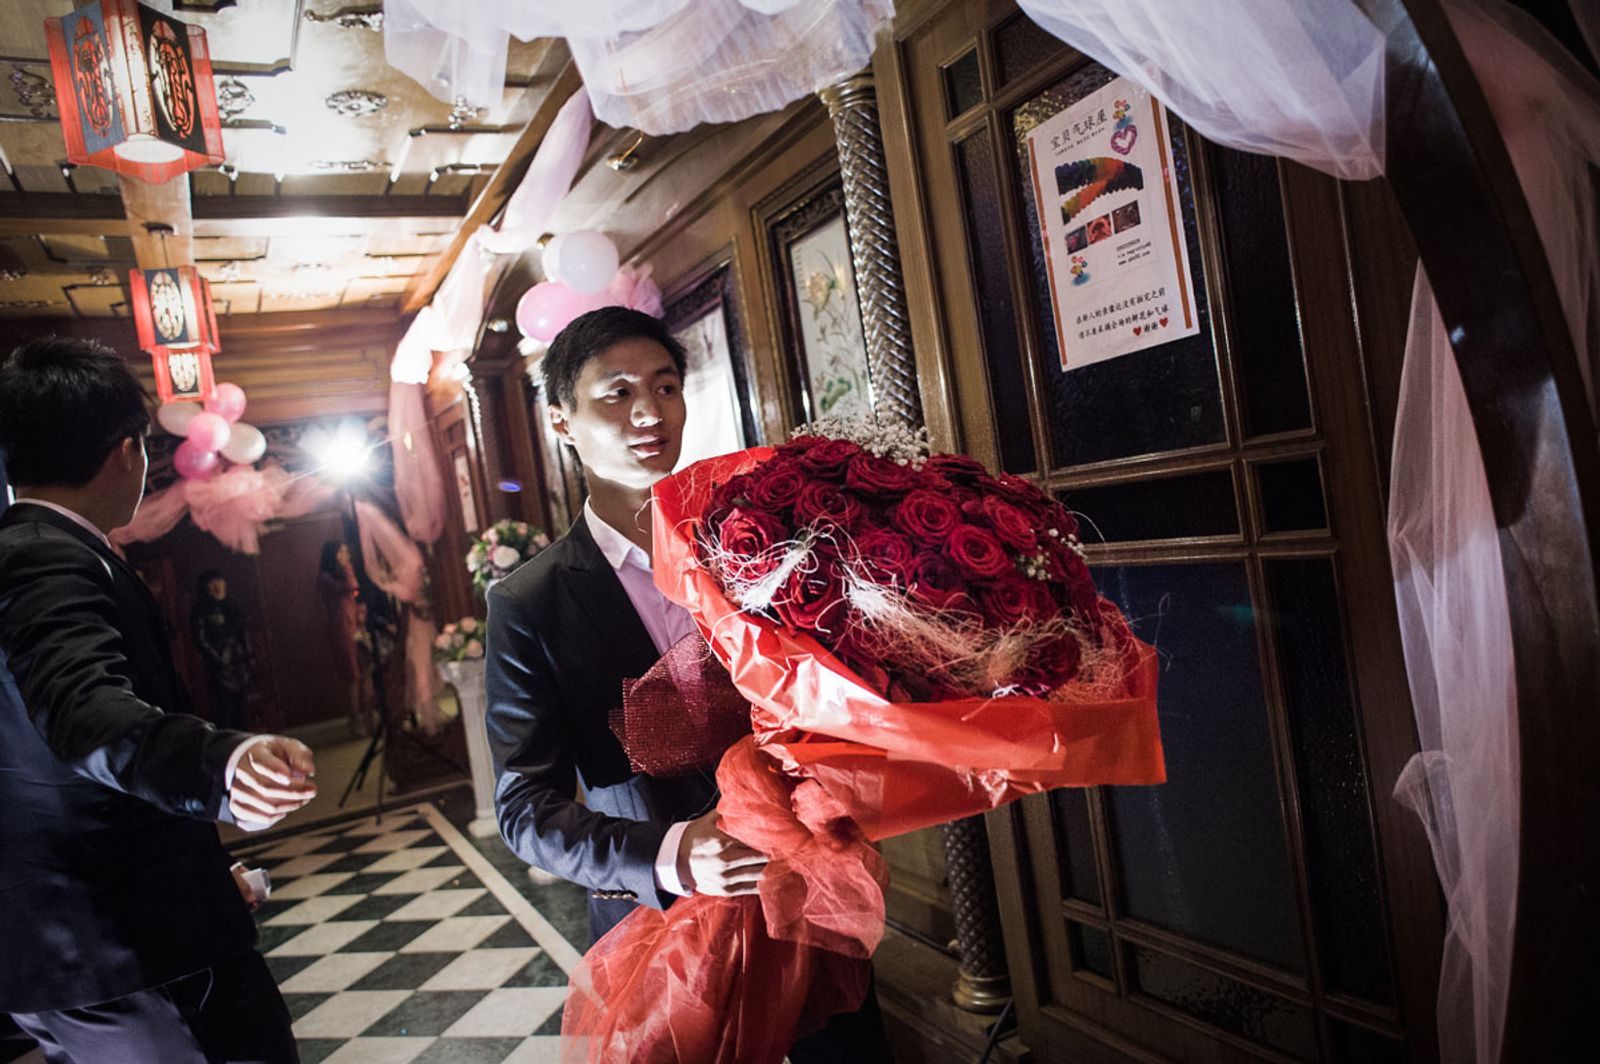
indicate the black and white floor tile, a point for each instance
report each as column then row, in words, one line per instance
column 399, row 941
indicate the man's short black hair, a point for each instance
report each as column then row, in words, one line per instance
column 588, row 336
column 65, row 404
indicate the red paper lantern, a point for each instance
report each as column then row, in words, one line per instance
column 178, row 326
column 134, row 90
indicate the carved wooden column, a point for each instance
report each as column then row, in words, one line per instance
column 982, row 984
column 853, row 106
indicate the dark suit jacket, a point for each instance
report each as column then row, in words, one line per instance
column 562, row 637
column 112, row 879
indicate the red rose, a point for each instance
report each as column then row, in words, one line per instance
column 956, row 468
column 886, row 555
column 1015, row 489
column 735, row 490
column 1059, row 518
column 935, row 581
column 1011, row 602
column 1010, row 524
column 926, row 515
column 799, row 445
column 1085, row 601
column 750, row 540
column 1052, row 664
column 822, row 504
column 879, row 477
column 978, row 554
column 828, row 458
column 777, row 485
column 812, row 599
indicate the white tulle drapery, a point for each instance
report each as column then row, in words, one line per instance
column 547, row 182
column 1444, row 543
column 1302, row 79
column 660, row 66
column 418, row 478
column 1456, row 631
column 450, row 321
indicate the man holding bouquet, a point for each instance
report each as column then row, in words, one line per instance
column 568, row 628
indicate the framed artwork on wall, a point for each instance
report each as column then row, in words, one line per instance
column 819, row 309
column 702, row 312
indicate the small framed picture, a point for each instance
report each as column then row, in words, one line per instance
column 469, row 502
column 820, row 310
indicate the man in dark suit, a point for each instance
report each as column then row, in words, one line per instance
column 126, row 936
column 567, row 628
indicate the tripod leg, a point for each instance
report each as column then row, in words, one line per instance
column 360, row 777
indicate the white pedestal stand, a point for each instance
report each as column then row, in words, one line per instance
column 467, row 679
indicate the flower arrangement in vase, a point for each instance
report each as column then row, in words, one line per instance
column 459, row 641
column 501, row 548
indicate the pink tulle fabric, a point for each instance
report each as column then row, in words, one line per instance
column 232, row 506
column 395, row 564
column 422, row 679
column 413, row 356
column 393, row 561
column 633, row 287
column 418, row 479
column 157, row 515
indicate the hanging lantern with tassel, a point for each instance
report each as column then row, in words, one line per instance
column 178, row 326
column 134, row 90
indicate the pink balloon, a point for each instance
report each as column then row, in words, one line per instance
column 228, row 402
column 193, row 462
column 209, row 432
column 548, row 307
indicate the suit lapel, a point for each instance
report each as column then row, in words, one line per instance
column 615, row 636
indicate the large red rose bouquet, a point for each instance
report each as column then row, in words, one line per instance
column 920, row 641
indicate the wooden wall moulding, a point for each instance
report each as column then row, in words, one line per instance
column 712, row 290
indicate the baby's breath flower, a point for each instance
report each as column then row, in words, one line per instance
column 894, row 440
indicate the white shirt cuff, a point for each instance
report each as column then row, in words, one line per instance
column 237, row 756
column 667, row 861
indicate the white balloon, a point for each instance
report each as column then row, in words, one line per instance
column 585, row 261
column 246, row 445
column 175, row 417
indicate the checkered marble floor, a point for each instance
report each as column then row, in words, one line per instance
column 398, row 941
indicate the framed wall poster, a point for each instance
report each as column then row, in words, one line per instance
column 469, row 504
column 703, row 315
column 1109, row 217
column 821, row 313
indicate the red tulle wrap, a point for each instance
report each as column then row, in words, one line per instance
column 831, row 765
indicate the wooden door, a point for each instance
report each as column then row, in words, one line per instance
column 1271, row 901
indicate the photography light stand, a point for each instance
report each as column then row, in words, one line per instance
column 379, row 744
column 343, row 457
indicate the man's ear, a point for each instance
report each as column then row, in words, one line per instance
column 128, row 452
column 558, row 423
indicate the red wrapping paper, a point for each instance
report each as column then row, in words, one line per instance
column 831, row 764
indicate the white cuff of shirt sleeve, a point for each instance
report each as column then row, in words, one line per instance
column 667, row 861
column 237, row 756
